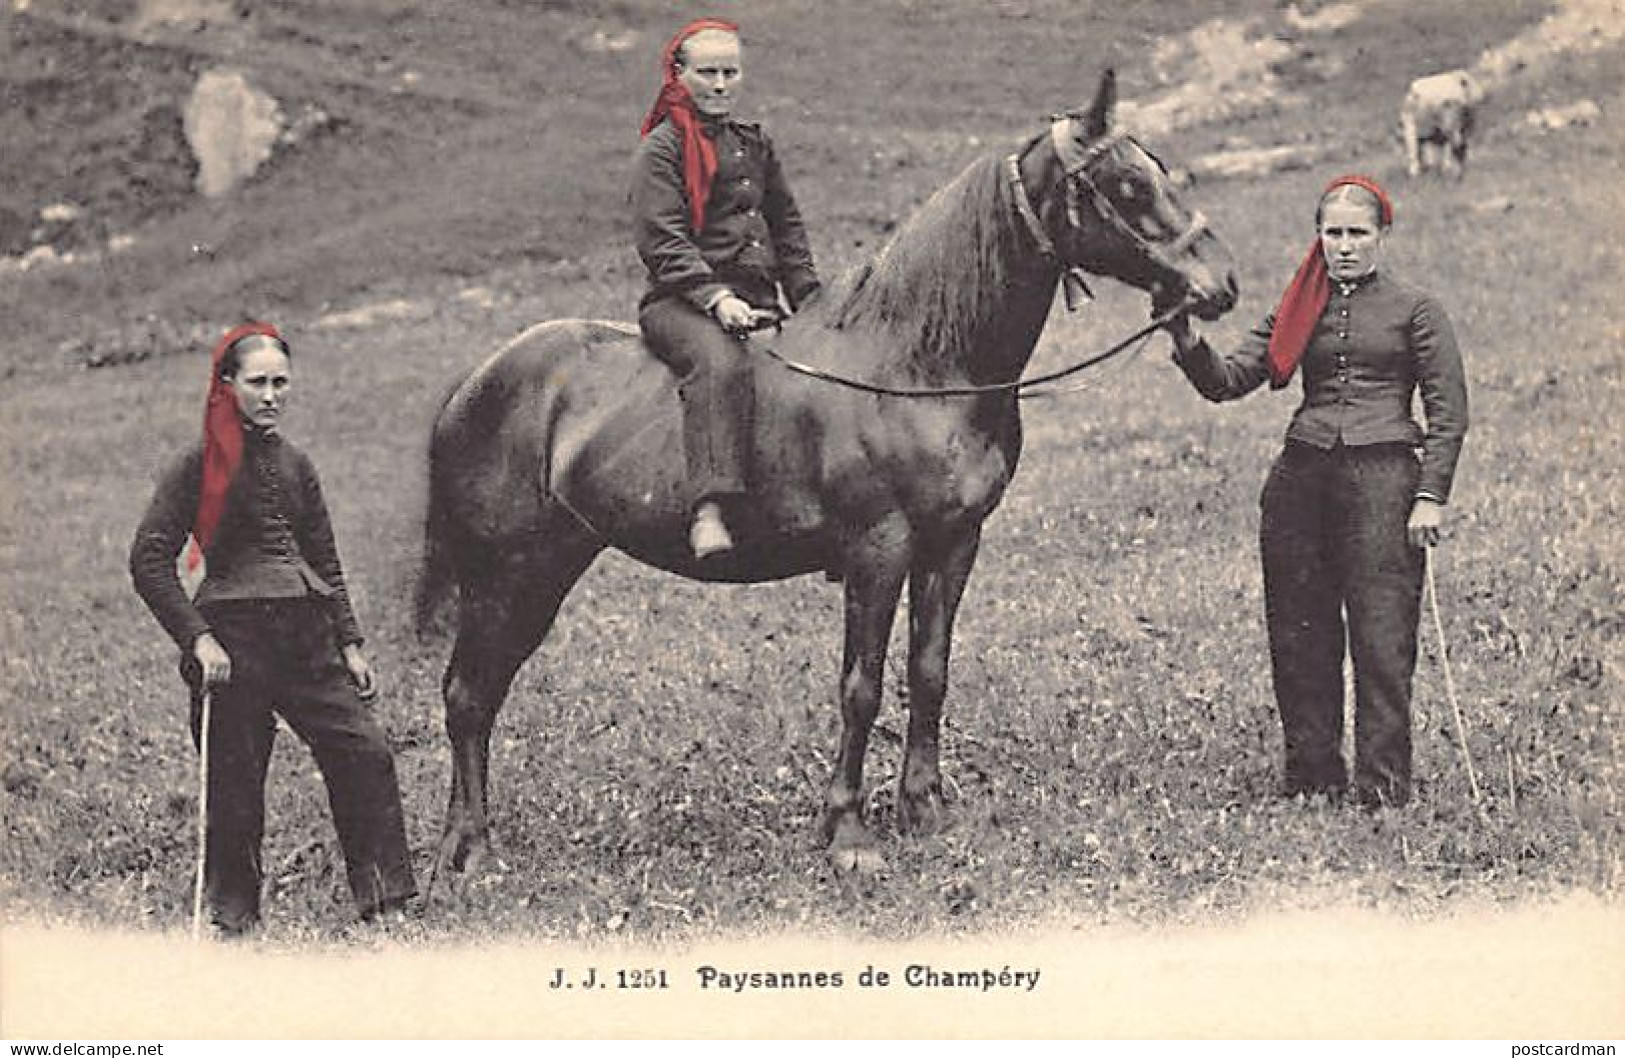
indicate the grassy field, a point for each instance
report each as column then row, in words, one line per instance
column 1111, row 745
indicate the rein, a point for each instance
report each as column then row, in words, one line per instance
column 1016, row 386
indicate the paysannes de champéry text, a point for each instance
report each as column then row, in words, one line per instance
column 914, row 975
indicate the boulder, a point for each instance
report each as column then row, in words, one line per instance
column 188, row 14
column 231, row 127
column 1256, row 161
column 1327, row 19
column 1556, row 118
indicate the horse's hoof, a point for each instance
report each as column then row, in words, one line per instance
column 852, row 849
column 860, row 861
column 922, row 815
column 459, row 857
column 473, row 869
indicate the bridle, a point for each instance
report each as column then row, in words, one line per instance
column 1079, row 181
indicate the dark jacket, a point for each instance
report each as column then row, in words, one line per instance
column 753, row 242
column 274, row 540
column 1378, row 342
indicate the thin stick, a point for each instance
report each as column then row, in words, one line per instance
column 202, row 816
column 1512, row 782
column 1449, row 682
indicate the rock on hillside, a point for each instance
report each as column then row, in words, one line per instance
column 231, row 127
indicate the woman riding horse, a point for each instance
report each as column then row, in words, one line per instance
column 721, row 236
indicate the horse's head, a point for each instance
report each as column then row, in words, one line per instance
column 1108, row 206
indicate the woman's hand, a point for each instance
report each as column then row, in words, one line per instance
column 214, row 664
column 1179, row 329
column 735, row 314
column 366, row 685
column 1427, row 516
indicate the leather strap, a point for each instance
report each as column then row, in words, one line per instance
column 1024, row 209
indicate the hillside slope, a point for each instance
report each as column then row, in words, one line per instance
column 448, row 142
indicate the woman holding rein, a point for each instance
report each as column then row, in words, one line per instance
column 721, row 237
column 1357, row 493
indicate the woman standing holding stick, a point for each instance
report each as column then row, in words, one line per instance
column 1357, row 494
column 269, row 633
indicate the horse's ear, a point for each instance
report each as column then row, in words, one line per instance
column 1098, row 120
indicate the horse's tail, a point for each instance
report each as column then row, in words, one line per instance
column 435, row 575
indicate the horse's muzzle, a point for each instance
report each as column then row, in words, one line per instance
column 1211, row 292
column 1207, row 298
column 1210, row 305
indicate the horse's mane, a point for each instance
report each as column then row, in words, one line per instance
column 940, row 276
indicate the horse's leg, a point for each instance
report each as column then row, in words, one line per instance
column 874, row 572
column 935, row 586
column 506, row 611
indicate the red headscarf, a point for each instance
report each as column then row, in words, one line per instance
column 1306, row 296
column 222, row 440
column 675, row 102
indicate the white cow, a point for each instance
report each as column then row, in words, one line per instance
column 1438, row 113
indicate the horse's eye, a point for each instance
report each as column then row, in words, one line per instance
column 1125, row 189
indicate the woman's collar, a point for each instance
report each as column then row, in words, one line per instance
column 1345, row 287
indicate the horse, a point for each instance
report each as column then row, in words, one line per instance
column 568, row 440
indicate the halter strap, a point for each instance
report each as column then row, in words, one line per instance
column 1198, row 225
column 1062, row 141
column 1024, row 210
column 1074, row 286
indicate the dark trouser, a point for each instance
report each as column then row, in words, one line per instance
column 714, row 383
column 1334, row 542
column 284, row 661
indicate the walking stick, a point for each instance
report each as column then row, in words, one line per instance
column 202, row 816
column 1450, row 683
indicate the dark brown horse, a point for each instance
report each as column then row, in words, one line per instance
column 568, row 440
